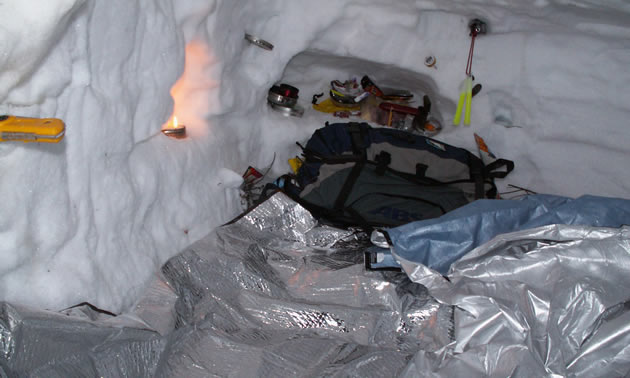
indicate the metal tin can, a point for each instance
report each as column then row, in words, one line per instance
column 278, row 99
column 292, row 111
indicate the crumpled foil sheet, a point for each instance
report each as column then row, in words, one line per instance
column 270, row 294
column 550, row 301
column 274, row 294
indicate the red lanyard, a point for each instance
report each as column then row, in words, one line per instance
column 476, row 27
column 473, row 34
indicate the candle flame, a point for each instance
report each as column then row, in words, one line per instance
column 175, row 124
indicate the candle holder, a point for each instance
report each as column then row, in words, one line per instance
column 178, row 132
column 175, row 130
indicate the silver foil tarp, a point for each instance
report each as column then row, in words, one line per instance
column 275, row 294
column 550, row 301
column 270, row 294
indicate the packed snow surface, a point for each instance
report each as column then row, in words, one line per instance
column 91, row 218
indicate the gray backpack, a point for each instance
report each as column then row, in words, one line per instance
column 356, row 175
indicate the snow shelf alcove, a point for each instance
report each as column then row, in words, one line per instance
column 312, row 71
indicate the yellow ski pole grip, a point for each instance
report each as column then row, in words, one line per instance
column 468, row 101
column 460, row 106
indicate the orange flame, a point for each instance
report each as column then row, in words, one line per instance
column 192, row 92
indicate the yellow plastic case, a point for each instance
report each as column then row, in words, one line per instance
column 48, row 130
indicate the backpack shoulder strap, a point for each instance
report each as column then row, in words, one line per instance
column 358, row 132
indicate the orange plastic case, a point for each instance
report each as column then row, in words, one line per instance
column 24, row 129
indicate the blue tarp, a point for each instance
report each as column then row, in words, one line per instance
column 439, row 242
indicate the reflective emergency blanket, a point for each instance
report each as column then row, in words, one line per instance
column 271, row 295
column 542, row 302
column 274, row 294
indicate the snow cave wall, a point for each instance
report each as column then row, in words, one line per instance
column 91, row 219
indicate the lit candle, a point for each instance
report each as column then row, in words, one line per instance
column 176, row 130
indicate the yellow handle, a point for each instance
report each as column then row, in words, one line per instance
column 460, row 106
column 468, row 100
column 295, row 164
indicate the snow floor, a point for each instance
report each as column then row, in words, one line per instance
column 90, row 219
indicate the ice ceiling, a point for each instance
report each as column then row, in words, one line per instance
column 91, row 219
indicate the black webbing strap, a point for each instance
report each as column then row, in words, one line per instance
column 383, row 159
column 357, row 135
column 344, row 193
column 497, row 164
column 477, row 175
